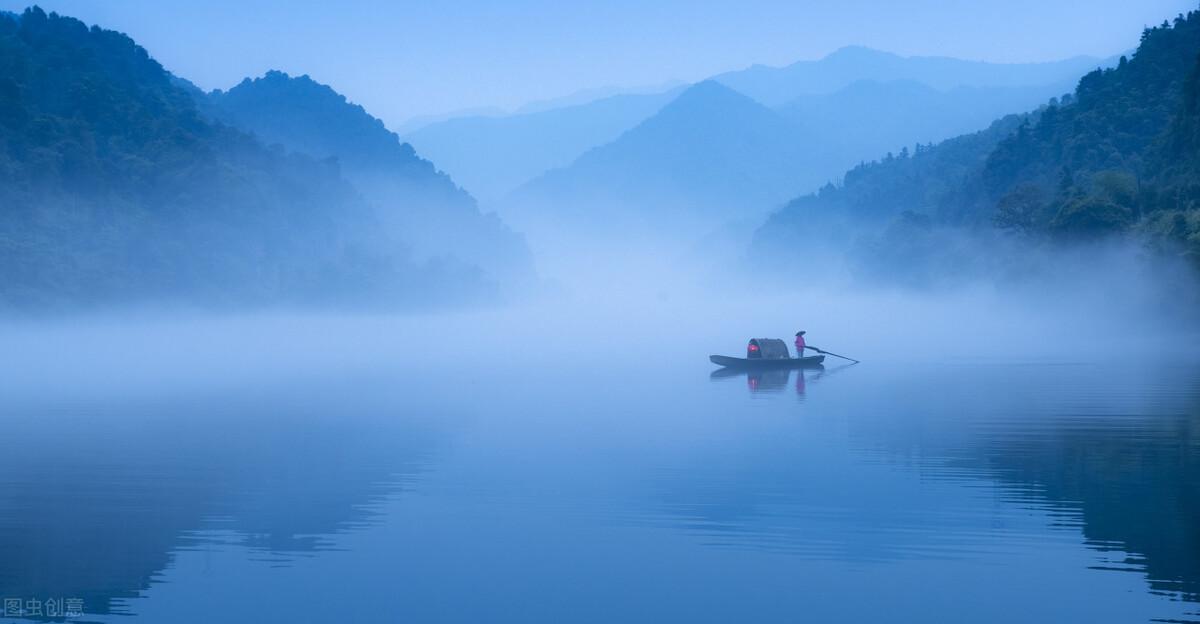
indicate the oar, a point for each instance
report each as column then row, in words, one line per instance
column 834, row 354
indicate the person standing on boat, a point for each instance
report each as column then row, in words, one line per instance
column 800, row 346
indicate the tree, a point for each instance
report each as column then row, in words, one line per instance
column 1091, row 216
column 1066, row 183
column 1119, row 187
column 1021, row 210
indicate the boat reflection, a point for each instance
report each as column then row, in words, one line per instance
column 766, row 381
column 777, row 380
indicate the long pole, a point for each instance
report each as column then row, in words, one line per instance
column 834, row 355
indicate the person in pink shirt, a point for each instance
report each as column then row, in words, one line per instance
column 800, row 346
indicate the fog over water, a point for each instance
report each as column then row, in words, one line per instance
column 637, row 307
column 575, row 451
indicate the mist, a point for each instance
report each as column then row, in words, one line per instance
column 266, row 357
column 1093, row 304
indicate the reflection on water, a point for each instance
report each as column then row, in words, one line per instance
column 97, row 499
column 769, row 380
column 1112, row 454
column 996, row 492
column 778, row 380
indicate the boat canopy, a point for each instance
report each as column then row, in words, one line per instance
column 767, row 348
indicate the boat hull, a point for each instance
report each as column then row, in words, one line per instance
column 760, row 363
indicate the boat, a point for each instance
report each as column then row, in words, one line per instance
column 764, row 353
column 813, row 361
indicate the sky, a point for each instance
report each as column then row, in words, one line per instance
column 402, row 59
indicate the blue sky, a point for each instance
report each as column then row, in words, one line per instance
column 402, row 58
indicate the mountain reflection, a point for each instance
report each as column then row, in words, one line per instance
column 1118, row 462
column 1135, row 485
column 97, row 499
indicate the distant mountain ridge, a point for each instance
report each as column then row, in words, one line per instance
column 587, row 96
column 775, row 86
column 707, row 150
column 493, row 155
column 965, row 96
column 718, row 155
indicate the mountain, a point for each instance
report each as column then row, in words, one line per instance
column 420, row 205
column 309, row 117
column 412, row 124
column 709, row 154
column 1176, row 159
column 868, row 118
column 886, row 204
column 1115, row 159
column 775, row 86
column 1104, row 164
column 549, row 135
column 728, row 157
column 492, row 155
column 795, row 130
column 115, row 188
column 587, row 96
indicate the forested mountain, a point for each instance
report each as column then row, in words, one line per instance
column 419, row 205
column 776, row 86
column 492, row 155
column 930, row 176
column 1117, row 157
column 114, row 187
column 306, row 116
column 1176, row 163
column 1106, row 163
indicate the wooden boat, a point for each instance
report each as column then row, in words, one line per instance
column 813, row 361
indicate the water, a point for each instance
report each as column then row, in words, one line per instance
column 472, row 470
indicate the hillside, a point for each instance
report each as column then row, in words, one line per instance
column 116, row 188
column 851, row 125
column 1176, row 161
column 421, row 206
column 1116, row 159
column 1097, row 167
column 923, row 181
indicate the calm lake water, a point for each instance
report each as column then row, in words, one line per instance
column 214, row 472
